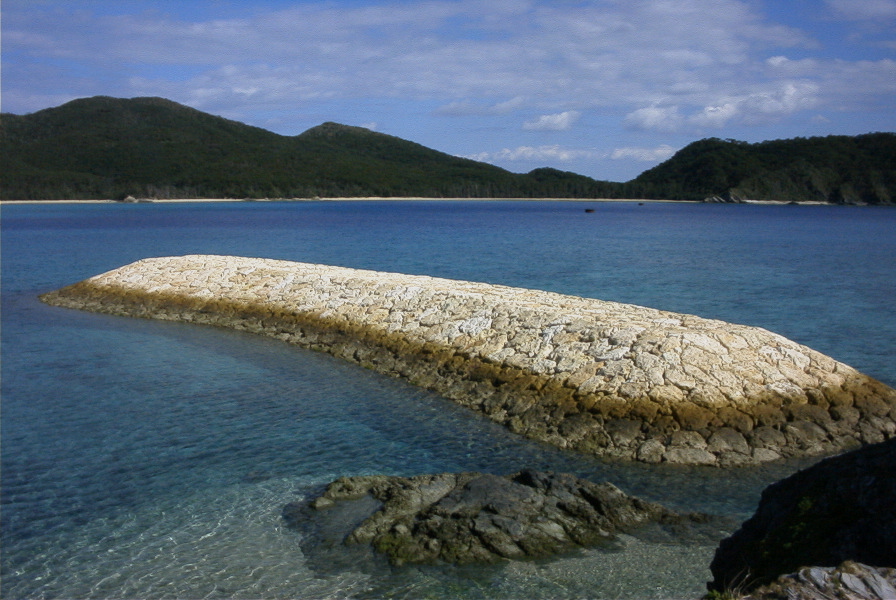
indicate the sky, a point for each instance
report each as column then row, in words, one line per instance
column 604, row 88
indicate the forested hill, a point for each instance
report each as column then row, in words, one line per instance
column 105, row 147
column 837, row 169
column 150, row 147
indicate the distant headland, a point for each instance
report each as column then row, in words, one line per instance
column 152, row 148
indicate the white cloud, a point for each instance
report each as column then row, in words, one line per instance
column 535, row 153
column 790, row 97
column 781, row 66
column 758, row 107
column 466, row 108
column 557, row 122
column 715, row 116
column 761, row 106
column 659, row 153
column 467, row 53
column 865, row 9
column 657, row 118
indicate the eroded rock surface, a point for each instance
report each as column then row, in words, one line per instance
column 599, row 377
column 481, row 518
column 849, row 581
column 841, row 509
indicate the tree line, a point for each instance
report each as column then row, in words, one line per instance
column 154, row 148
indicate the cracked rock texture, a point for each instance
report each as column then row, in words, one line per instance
column 849, row 581
column 599, row 377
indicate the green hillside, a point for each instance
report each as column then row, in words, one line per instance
column 838, row 169
column 105, row 147
column 109, row 148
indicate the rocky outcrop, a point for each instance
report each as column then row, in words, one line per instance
column 849, row 581
column 599, row 377
column 837, row 510
column 729, row 197
column 480, row 518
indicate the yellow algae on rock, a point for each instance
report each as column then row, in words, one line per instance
column 600, row 377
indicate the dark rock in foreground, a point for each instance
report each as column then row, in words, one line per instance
column 481, row 518
column 849, row 581
column 841, row 509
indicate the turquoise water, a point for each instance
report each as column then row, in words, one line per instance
column 144, row 459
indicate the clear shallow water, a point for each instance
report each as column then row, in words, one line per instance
column 148, row 459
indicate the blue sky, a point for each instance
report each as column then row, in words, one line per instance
column 606, row 88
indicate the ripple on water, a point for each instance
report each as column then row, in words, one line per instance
column 169, row 477
column 231, row 543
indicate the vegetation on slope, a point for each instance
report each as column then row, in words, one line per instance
column 109, row 148
column 838, row 169
column 105, row 147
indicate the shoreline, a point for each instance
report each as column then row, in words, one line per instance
column 341, row 199
column 412, row 199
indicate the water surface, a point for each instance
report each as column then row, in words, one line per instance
column 150, row 459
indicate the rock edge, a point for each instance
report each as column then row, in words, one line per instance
column 463, row 518
column 849, row 581
column 603, row 378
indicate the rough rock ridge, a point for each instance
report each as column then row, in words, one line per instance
column 481, row 518
column 849, row 581
column 599, row 377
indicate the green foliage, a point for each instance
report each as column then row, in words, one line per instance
column 151, row 147
column 838, row 169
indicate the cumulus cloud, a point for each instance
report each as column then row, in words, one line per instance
column 557, row 122
column 715, row 116
column 761, row 106
column 657, row 154
column 657, row 118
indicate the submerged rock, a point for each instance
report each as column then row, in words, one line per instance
column 841, row 509
column 482, row 518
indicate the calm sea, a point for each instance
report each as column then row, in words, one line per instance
column 144, row 459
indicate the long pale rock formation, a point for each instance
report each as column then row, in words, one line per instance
column 599, row 377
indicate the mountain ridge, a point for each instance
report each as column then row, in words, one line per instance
column 105, row 147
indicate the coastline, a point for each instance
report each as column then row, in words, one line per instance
column 339, row 199
column 408, row 198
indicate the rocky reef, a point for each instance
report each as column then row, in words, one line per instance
column 849, row 581
column 465, row 518
column 841, row 509
column 598, row 377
